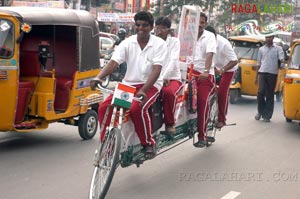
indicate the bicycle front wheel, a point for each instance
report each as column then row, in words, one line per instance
column 107, row 161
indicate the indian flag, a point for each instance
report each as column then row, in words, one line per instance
column 123, row 95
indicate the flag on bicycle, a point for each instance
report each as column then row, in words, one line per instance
column 123, row 95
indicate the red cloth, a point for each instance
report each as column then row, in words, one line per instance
column 139, row 116
column 169, row 97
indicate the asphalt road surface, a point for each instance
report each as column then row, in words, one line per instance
column 250, row 160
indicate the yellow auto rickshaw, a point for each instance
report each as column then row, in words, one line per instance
column 48, row 57
column 291, row 86
column 243, row 83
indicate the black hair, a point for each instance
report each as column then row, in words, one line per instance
column 144, row 16
column 202, row 14
column 165, row 21
column 211, row 29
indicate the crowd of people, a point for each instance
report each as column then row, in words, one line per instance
column 153, row 68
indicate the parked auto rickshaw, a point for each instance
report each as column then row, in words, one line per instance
column 291, row 86
column 243, row 83
column 48, row 57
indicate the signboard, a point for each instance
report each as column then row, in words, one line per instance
column 187, row 34
column 116, row 17
column 46, row 4
column 188, row 30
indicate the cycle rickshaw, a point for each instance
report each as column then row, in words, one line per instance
column 48, row 57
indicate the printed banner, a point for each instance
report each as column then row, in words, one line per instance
column 116, row 17
column 188, row 30
column 123, row 95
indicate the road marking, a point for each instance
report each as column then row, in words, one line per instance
column 9, row 139
column 231, row 195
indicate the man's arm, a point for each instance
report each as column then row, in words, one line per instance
column 107, row 70
column 110, row 67
column 208, row 62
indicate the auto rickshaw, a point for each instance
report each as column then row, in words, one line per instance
column 48, row 57
column 291, row 85
column 243, row 83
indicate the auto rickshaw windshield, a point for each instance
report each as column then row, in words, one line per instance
column 6, row 38
column 295, row 58
column 246, row 50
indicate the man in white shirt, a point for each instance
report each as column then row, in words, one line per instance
column 171, row 73
column 145, row 55
column 204, row 72
column 225, row 62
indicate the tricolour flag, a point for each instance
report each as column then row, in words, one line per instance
column 123, row 95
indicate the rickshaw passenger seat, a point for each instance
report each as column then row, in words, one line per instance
column 66, row 66
column 29, row 63
column 62, row 93
column 25, row 90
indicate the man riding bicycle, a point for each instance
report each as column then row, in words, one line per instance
column 145, row 55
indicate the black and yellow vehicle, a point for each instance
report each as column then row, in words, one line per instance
column 243, row 83
column 47, row 59
column 291, row 86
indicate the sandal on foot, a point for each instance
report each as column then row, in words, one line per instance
column 219, row 125
column 150, row 151
column 200, row 144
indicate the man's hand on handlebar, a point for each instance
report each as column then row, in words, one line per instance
column 142, row 96
column 94, row 82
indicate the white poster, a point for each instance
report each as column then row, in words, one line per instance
column 188, row 30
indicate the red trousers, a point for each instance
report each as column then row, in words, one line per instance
column 223, row 95
column 139, row 116
column 169, row 97
column 205, row 88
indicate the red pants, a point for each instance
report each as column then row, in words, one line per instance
column 223, row 95
column 205, row 89
column 139, row 116
column 169, row 97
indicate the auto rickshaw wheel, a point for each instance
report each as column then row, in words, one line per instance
column 88, row 124
column 234, row 95
column 288, row 120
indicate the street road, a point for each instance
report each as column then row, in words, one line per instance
column 250, row 160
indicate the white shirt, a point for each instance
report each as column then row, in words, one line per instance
column 172, row 68
column 205, row 44
column 139, row 62
column 225, row 53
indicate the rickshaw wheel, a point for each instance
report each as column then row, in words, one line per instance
column 288, row 120
column 88, row 124
column 234, row 96
column 106, row 164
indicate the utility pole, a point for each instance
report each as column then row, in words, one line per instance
column 161, row 7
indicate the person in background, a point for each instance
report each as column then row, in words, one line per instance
column 171, row 76
column 145, row 55
column 266, row 77
column 225, row 61
column 122, row 35
column 203, row 61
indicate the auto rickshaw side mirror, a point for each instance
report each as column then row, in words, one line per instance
column 44, row 53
